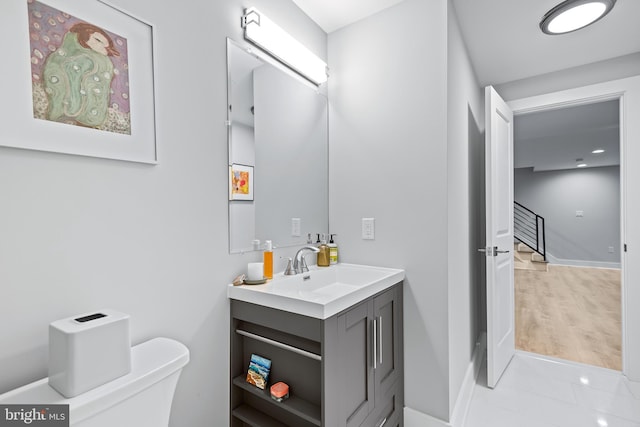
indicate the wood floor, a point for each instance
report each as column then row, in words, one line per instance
column 572, row 313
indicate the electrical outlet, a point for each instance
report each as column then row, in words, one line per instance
column 368, row 229
column 579, row 214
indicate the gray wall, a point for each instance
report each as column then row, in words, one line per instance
column 80, row 234
column 388, row 160
column 557, row 195
column 392, row 158
column 465, row 173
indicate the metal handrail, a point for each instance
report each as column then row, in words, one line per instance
column 529, row 228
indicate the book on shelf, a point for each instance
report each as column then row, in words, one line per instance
column 258, row 373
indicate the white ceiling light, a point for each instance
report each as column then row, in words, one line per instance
column 571, row 15
column 266, row 34
column 581, row 165
column 598, row 151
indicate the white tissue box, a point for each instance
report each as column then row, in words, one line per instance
column 88, row 350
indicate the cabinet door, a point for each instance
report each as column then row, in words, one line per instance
column 355, row 360
column 386, row 311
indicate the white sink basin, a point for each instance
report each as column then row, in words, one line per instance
column 322, row 292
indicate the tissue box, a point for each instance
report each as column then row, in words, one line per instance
column 88, row 350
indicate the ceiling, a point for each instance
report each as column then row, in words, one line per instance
column 332, row 15
column 555, row 139
column 503, row 37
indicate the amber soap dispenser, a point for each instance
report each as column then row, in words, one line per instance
column 323, row 255
column 267, row 259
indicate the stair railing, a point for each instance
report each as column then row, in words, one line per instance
column 528, row 228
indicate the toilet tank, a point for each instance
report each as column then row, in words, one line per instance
column 141, row 398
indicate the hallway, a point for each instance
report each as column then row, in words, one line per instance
column 572, row 313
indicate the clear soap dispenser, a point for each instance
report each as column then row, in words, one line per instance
column 333, row 250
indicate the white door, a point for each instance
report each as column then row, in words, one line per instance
column 499, row 245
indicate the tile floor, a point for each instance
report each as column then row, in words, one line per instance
column 537, row 391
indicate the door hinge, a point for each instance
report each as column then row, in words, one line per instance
column 625, row 247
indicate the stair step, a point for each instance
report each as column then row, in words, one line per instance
column 536, row 257
column 524, row 248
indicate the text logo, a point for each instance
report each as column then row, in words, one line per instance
column 34, row 415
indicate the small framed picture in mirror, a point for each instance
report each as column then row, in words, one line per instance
column 240, row 182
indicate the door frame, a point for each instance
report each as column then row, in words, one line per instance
column 626, row 91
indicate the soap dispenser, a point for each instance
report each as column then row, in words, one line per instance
column 323, row 255
column 333, row 250
column 267, row 259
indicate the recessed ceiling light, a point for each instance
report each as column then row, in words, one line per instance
column 581, row 165
column 571, row 15
column 598, row 151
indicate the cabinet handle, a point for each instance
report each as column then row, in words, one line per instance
column 380, row 340
column 375, row 344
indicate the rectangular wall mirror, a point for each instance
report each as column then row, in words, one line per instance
column 278, row 146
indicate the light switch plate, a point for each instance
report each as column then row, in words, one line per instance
column 295, row 227
column 579, row 214
column 368, row 229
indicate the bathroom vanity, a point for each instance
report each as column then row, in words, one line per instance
column 334, row 335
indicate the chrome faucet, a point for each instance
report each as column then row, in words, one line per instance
column 299, row 264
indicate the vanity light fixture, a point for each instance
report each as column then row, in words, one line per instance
column 571, row 15
column 266, row 34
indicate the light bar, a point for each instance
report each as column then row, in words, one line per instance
column 264, row 33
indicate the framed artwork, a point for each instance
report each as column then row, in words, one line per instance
column 240, row 182
column 78, row 79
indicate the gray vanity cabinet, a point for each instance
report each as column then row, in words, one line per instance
column 344, row 371
column 369, row 353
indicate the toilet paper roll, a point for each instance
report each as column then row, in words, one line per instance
column 255, row 271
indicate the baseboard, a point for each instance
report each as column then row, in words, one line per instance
column 413, row 418
column 580, row 263
column 463, row 402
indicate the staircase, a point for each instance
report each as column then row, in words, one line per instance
column 529, row 228
column 525, row 258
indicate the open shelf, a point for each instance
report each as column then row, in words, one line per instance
column 294, row 404
column 255, row 418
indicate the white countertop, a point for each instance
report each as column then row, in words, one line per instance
column 321, row 292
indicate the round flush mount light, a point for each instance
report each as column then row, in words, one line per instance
column 571, row 15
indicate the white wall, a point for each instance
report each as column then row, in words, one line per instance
column 80, row 234
column 557, row 195
column 406, row 149
column 597, row 72
column 465, row 158
column 388, row 160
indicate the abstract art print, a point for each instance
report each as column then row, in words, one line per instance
column 240, row 182
column 80, row 77
column 79, row 71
